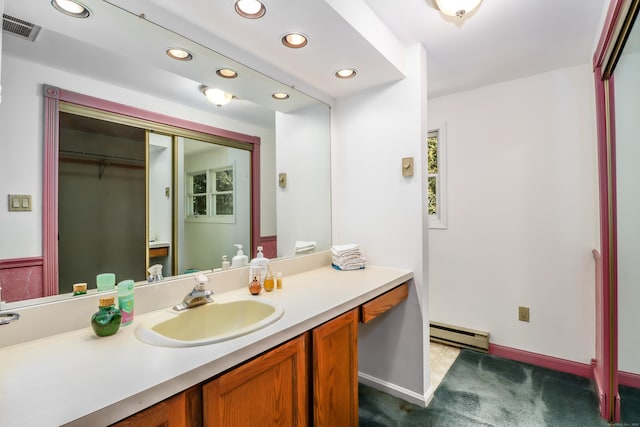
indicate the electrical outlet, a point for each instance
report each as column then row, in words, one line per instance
column 523, row 314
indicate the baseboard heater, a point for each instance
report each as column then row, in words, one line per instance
column 459, row 337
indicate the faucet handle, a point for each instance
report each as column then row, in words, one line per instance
column 201, row 282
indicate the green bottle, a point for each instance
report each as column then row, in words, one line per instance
column 106, row 321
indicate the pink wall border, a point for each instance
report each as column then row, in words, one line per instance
column 21, row 278
column 53, row 96
column 629, row 379
column 269, row 246
column 555, row 363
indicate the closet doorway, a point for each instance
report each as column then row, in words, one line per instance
column 101, row 200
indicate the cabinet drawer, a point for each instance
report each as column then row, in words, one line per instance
column 374, row 308
column 158, row 252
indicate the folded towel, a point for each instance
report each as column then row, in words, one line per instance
column 347, row 257
column 339, row 250
column 353, row 267
column 302, row 246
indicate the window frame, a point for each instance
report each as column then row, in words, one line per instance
column 211, row 193
column 439, row 219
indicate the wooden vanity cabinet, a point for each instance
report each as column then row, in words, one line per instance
column 270, row 390
column 183, row 409
column 310, row 380
column 335, row 371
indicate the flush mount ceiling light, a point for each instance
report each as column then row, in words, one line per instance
column 280, row 95
column 457, row 8
column 295, row 40
column 71, row 8
column 179, row 54
column 216, row 96
column 250, row 9
column 346, row 73
column 226, row 73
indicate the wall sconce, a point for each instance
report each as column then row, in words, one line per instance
column 216, row 96
column 457, row 7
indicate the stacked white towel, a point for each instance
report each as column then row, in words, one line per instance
column 302, row 247
column 347, row 257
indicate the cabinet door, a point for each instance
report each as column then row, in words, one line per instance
column 184, row 409
column 335, row 372
column 270, row 390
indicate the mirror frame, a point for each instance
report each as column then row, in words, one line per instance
column 52, row 98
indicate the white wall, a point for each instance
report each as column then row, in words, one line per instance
column 375, row 206
column 627, row 105
column 522, row 213
column 304, row 206
column 21, row 141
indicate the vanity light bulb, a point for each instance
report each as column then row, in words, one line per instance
column 251, row 9
column 71, row 8
column 346, row 73
column 295, row 40
column 217, row 96
column 179, row 54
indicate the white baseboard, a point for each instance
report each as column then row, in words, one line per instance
column 397, row 391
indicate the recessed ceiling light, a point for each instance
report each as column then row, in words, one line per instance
column 216, row 96
column 179, row 54
column 71, row 8
column 295, row 40
column 280, row 95
column 346, row 73
column 226, row 73
column 250, row 9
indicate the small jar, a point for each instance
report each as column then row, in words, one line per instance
column 278, row 280
column 106, row 321
column 268, row 281
column 79, row 289
column 254, row 286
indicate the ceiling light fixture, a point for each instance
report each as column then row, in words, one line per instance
column 295, row 40
column 346, row 73
column 457, row 8
column 179, row 54
column 250, row 9
column 280, row 96
column 71, row 8
column 216, row 96
column 226, row 73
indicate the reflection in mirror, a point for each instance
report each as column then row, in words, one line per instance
column 627, row 129
column 217, row 203
column 101, row 201
column 89, row 58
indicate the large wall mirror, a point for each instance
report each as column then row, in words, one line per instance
column 617, row 66
column 119, row 57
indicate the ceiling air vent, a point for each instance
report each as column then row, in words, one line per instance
column 20, row 28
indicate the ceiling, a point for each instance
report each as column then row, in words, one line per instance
column 501, row 40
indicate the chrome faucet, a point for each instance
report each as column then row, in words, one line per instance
column 199, row 294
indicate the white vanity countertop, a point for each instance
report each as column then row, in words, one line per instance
column 78, row 378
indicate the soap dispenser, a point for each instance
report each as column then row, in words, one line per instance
column 240, row 260
column 258, row 266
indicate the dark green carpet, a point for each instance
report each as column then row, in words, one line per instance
column 629, row 406
column 484, row 390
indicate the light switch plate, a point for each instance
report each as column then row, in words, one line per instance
column 407, row 166
column 19, row 202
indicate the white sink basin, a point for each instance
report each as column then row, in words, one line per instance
column 209, row 323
